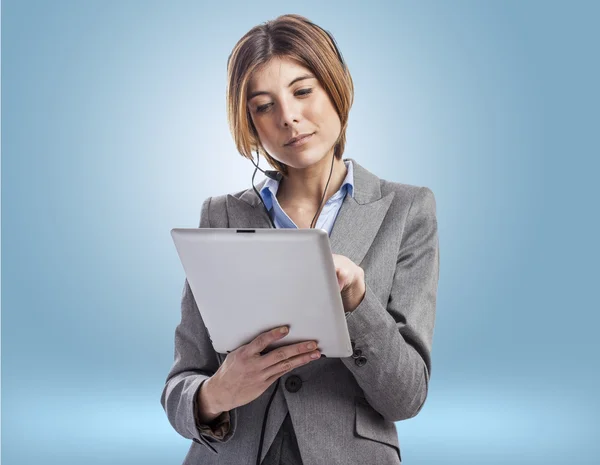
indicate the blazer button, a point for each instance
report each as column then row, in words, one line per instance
column 357, row 353
column 360, row 361
column 293, row 383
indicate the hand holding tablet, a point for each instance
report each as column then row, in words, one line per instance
column 246, row 374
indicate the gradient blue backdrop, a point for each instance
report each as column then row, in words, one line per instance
column 114, row 131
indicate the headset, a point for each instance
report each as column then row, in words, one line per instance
column 276, row 175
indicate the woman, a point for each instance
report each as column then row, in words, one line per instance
column 289, row 95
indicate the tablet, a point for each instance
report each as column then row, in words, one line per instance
column 248, row 281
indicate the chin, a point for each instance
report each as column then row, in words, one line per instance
column 304, row 159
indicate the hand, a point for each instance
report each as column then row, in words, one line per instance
column 351, row 279
column 246, row 374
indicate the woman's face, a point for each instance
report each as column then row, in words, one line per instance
column 285, row 100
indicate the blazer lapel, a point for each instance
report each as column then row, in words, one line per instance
column 355, row 227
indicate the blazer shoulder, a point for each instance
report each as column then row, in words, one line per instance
column 407, row 194
column 214, row 212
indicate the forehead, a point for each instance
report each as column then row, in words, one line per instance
column 278, row 71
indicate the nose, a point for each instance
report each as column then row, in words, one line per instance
column 290, row 112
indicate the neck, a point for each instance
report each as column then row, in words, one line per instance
column 304, row 187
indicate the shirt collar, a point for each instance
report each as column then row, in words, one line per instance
column 269, row 190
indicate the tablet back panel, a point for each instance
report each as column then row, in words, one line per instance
column 247, row 281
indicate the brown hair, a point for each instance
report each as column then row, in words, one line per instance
column 291, row 36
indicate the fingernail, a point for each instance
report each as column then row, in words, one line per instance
column 283, row 330
column 311, row 345
column 315, row 355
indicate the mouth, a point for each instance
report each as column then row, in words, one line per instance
column 299, row 139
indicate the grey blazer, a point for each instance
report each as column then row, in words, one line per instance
column 343, row 409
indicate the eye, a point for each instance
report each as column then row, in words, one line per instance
column 304, row 91
column 266, row 106
column 262, row 108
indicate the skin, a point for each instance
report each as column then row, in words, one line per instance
column 279, row 112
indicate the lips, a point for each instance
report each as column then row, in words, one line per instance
column 298, row 138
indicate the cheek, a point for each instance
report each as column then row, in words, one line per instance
column 329, row 121
column 263, row 130
column 324, row 114
column 267, row 135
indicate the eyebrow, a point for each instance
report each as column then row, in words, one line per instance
column 262, row 92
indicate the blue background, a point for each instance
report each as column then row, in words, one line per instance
column 114, row 131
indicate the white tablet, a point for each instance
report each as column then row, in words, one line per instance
column 248, row 281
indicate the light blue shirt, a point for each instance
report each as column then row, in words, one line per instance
column 328, row 213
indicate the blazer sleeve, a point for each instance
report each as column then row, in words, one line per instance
column 195, row 362
column 392, row 344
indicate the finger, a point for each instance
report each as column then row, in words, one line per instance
column 342, row 277
column 284, row 352
column 287, row 365
column 261, row 341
